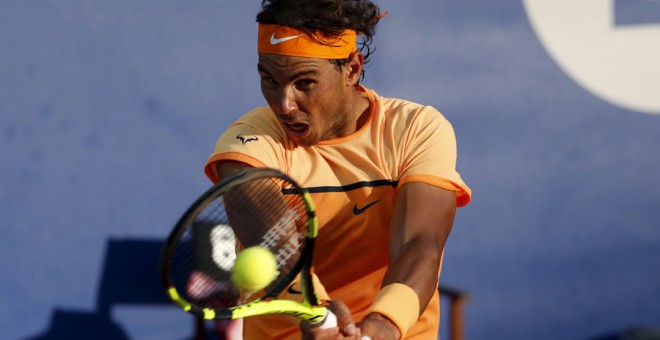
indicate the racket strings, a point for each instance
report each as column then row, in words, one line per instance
column 273, row 239
column 232, row 222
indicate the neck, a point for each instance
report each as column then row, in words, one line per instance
column 361, row 109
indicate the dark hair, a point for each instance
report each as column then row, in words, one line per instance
column 327, row 17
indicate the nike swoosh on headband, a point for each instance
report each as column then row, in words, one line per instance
column 275, row 41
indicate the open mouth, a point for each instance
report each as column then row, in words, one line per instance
column 296, row 129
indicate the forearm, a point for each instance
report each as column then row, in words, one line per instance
column 417, row 265
column 421, row 223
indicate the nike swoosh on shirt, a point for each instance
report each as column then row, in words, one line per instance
column 358, row 211
column 275, row 41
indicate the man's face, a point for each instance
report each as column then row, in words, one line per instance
column 310, row 97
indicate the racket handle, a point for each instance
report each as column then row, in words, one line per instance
column 329, row 320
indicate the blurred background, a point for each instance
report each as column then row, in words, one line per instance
column 109, row 110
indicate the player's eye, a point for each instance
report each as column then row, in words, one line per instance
column 268, row 80
column 304, row 83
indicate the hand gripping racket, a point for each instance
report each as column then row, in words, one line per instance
column 256, row 206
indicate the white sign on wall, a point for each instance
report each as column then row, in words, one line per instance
column 619, row 64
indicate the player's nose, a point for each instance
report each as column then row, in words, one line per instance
column 286, row 102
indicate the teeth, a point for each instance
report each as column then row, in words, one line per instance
column 297, row 126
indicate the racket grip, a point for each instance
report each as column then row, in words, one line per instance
column 329, row 320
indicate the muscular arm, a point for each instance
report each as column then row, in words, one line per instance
column 227, row 168
column 423, row 217
column 421, row 223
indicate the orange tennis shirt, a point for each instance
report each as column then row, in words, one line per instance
column 353, row 181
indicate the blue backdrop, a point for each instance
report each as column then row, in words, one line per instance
column 109, row 109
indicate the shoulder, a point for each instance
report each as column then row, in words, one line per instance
column 405, row 115
column 256, row 139
column 260, row 117
column 402, row 108
column 259, row 122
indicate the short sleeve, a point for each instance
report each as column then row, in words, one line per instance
column 429, row 149
column 255, row 139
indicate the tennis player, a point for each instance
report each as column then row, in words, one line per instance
column 381, row 171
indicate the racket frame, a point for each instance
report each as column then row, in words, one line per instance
column 311, row 309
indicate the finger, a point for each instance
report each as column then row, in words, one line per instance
column 309, row 332
column 345, row 321
column 305, row 330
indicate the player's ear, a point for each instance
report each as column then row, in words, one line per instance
column 353, row 68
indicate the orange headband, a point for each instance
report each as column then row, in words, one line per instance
column 284, row 40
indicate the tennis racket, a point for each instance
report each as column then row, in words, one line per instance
column 256, row 206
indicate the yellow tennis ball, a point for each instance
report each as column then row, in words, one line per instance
column 254, row 269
